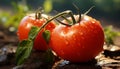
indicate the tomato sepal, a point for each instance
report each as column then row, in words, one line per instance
column 46, row 35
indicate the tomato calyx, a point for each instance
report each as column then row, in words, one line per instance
column 74, row 21
column 79, row 13
column 69, row 22
column 37, row 15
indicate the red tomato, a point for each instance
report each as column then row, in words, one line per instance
column 25, row 25
column 80, row 42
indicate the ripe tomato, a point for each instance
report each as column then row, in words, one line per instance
column 25, row 25
column 80, row 42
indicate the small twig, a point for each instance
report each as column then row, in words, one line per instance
column 89, row 10
column 73, row 18
column 66, row 19
column 79, row 13
column 38, row 13
column 63, row 23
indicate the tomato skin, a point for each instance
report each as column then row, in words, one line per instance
column 80, row 42
column 24, row 28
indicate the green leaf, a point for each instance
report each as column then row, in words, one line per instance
column 25, row 47
column 46, row 35
column 47, row 6
column 33, row 32
column 110, row 35
column 23, row 51
column 49, row 57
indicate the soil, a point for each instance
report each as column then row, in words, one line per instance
column 108, row 59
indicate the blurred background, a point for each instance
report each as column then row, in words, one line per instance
column 107, row 11
column 12, row 11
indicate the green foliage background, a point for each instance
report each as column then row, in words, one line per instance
column 108, row 9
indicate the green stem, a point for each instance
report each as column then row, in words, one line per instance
column 66, row 19
column 60, row 14
column 89, row 10
column 63, row 23
column 73, row 19
column 38, row 15
column 78, row 10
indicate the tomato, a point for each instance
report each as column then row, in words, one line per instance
column 80, row 42
column 24, row 28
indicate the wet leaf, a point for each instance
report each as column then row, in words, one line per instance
column 25, row 47
column 33, row 32
column 23, row 51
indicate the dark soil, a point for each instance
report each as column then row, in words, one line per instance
column 8, row 43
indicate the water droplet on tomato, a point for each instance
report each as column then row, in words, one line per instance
column 73, row 36
column 81, row 33
column 66, row 42
column 74, row 39
column 49, row 26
